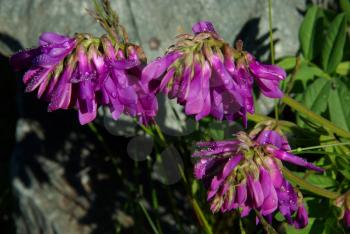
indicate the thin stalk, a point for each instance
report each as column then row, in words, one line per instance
column 271, row 33
column 198, row 211
column 241, row 227
column 147, row 130
column 201, row 216
column 153, row 226
column 307, row 186
column 95, row 131
column 272, row 51
column 297, row 150
column 159, row 132
column 257, row 118
column 162, row 141
column 320, row 152
column 315, row 117
column 101, row 140
column 159, row 138
column 291, row 82
column 293, row 76
column 154, row 195
column 268, row 228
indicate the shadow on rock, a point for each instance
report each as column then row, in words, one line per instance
column 253, row 42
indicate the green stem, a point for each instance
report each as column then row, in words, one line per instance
column 272, row 51
column 147, row 130
column 241, row 227
column 159, row 132
column 159, row 139
column 315, row 117
column 297, row 150
column 271, row 33
column 268, row 228
column 101, row 140
column 307, row 186
column 201, row 216
column 318, row 152
column 291, row 82
column 257, row 118
column 196, row 207
column 95, row 131
column 151, row 223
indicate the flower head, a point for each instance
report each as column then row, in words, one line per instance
column 246, row 173
column 87, row 72
column 208, row 77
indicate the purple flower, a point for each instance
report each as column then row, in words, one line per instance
column 209, row 78
column 347, row 218
column 245, row 173
column 86, row 72
column 343, row 202
column 203, row 26
column 42, row 63
column 53, row 48
column 121, row 88
column 267, row 77
column 301, row 218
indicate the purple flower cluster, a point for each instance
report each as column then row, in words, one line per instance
column 86, row 72
column 208, row 77
column 203, row 72
column 343, row 202
column 245, row 174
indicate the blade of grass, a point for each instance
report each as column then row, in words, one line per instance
column 153, row 226
column 307, row 186
column 199, row 213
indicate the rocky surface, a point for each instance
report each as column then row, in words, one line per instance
column 153, row 23
column 56, row 178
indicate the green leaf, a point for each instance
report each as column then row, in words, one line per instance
column 308, row 32
column 338, row 155
column 345, row 6
column 332, row 52
column 316, row 95
column 322, row 181
column 291, row 229
column 332, row 226
column 217, row 131
column 338, row 104
column 305, row 74
column 320, row 73
column 343, row 68
column 345, row 173
column 343, row 166
column 288, row 63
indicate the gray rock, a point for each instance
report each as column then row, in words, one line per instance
column 151, row 22
column 55, row 177
column 155, row 23
column 55, row 171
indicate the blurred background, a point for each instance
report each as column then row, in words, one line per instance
column 59, row 177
